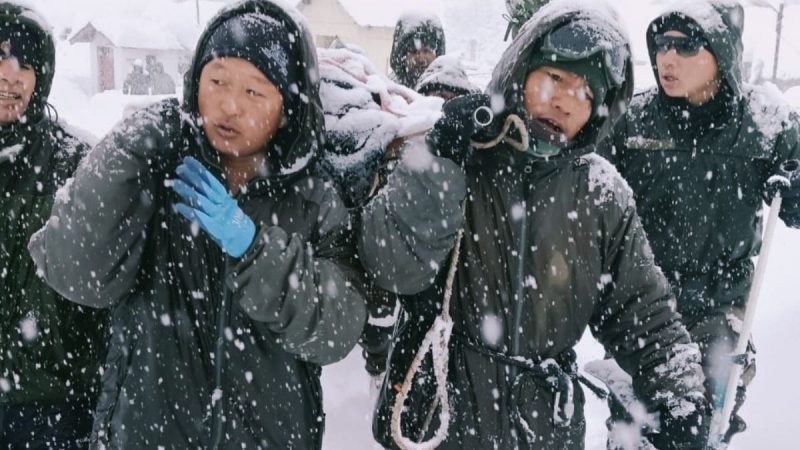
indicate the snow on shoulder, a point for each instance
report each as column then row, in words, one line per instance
column 606, row 181
column 771, row 112
column 79, row 133
column 641, row 99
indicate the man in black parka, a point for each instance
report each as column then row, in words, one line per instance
column 220, row 323
column 552, row 244
column 418, row 40
column 51, row 348
column 698, row 150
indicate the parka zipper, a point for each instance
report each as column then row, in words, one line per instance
column 520, row 285
column 218, row 394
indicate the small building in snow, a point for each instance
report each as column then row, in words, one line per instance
column 115, row 47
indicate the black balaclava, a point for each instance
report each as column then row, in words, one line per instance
column 22, row 42
column 23, row 38
column 263, row 42
column 267, row 44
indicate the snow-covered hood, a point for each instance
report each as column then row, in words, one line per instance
column 422, row 25
column 722, row 22
column 508, row 78
column 445, row 73
column 306, row 140
column 15, row 13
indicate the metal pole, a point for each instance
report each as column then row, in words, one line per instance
column 197, row 4
column 726, row 389
column 778, row 29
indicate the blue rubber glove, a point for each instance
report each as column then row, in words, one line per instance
column 207, row 203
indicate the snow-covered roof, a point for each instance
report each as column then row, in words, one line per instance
column 148, row 24
column 141, row 35
column 384, row 13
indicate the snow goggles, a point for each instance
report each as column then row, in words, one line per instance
column 683, row 45
column 577, row 41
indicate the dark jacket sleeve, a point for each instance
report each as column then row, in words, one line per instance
column 308, row 293
column 90, row 248
column 410, row 226
column 788, row 148
column 637, row 322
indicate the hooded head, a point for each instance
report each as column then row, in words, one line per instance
column 415, row 34
column 717, row 25
column 584, row 46
column 25, row 37
column 445, row 77
column 272, row 39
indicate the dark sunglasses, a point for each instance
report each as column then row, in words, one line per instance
column 684, row 46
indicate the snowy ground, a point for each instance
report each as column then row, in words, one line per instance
column 771, row 409
column 774, row 396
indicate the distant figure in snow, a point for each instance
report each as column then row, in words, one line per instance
column 445, row 78
column 137, row 82
column 51, row 348
column 223, row 260
column 698, row 151
column 418, row 40
column 551, row 245
column 161, row 82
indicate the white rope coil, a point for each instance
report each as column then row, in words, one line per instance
column 436, row 342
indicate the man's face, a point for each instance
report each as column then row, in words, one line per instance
column 695, row 78
column 240, row 107
column 559, row 100
column 418, row 60
column 16, row 89
column 445, row 94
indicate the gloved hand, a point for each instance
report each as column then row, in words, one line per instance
column 451, row 135
column 685, row 427
column 207, row 202
column 788, row 175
